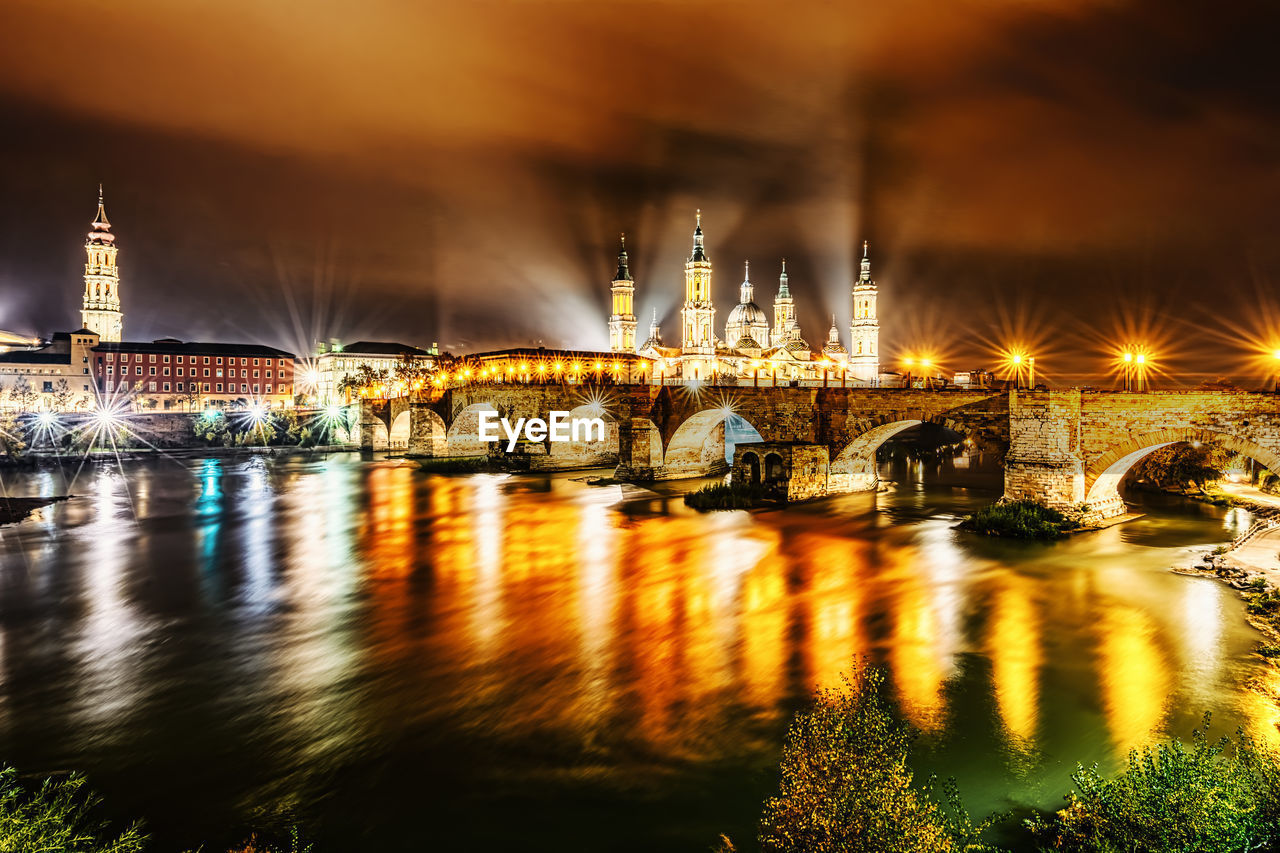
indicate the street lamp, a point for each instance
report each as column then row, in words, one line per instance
column 1128, row 371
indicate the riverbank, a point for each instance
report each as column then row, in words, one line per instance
column 13, row 510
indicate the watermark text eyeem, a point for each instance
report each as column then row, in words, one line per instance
column 558, row 427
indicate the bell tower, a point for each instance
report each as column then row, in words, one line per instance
column 622, row 322
column 101, row 308
column 864, row 331
column 698, row 314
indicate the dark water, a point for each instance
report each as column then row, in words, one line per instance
column 407, row 662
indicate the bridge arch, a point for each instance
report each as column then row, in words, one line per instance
column 854, row 468
column 463, row 435
column 687, row 453
column 398, row 437
column 1103, row 477
column 427, row 433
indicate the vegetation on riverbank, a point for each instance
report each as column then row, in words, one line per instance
column 1021, row 520
column 847, row 787
column 728, row 496
column 454, row 464
column 60, row 816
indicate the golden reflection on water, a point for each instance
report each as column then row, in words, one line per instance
column 667, row 619
column 1134, row 675
column 1013, row 644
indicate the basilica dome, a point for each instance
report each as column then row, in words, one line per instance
column 747, row 314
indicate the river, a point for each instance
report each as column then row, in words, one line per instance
column 398, row 661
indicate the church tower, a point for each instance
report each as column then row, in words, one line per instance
column 622, row 322
column 698, row 314
column 784, row 311
column 864, row 332
column 101, row 310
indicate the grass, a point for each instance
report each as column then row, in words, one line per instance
column 455, row 464
column 1020, row 520
column 727, row 496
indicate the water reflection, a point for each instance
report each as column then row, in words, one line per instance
column 489, row 631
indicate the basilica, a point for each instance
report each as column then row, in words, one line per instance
column 752, row 349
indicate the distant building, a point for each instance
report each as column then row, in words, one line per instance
column 975, row 379
column 65, row 359
column 101, row 307
column 334, row 362
column 172, row 374
column 522, row 365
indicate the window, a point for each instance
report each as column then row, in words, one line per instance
column 179, row 359
column 166, row 359
column 110, row 369
column 48, row 388
column 152, row 386
column 255, row 364
column 268, row 391
column 255, row 374
column 206, row 370
column 219, row 359
column 218, row 372
column 153, row 361
column 111, row 356
column 206, row 387
column 219, row 387
column 206, row 361
column 268, row 374
column 153, row 371
column 244, row 387
column 179, row 387
column 255, row 389
column 166, row 386
column 244, row 361
column 166, row 371
column 138, row 370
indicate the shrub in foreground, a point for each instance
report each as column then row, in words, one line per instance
column 846, row 785
column 1210, row 797
column 1020, row 520
column 57, row 819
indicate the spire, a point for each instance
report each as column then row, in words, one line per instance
column 748, row 290
column 624, row 274
column 834, row 335
column 864, row 274
column 784, row 292
column 699, row 251
column 100, row 222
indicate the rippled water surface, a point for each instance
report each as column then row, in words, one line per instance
column 400, row 661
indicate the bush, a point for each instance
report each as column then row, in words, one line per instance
column 1020, row 520
column 1211, row 797
column 727, row 496
column 846, row 786
column 57, row 819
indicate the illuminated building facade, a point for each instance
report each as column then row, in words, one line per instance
column 622, row 322
column 172, row 374
column 864, row 332
column 101, row 307
column 335, row 361
column 751, row 352
column 55, row 377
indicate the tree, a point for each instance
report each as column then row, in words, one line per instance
column 11, row 441
column 1212, row 797
column 22, row 393
column 413, row 370
column 1179, row 464
column 846, row 785
column 191, row 395
column 58, row 817
column 62, row 395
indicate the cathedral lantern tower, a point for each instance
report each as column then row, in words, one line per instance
column 864, row 332
column 101, row 308
column 622, row 322
column 697, row 317
column 784, row 311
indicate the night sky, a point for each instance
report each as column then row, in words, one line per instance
column 1067, row 176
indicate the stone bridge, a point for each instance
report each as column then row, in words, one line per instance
column 1069, row 448
column 671, row 432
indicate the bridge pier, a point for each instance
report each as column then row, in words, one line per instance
column 1044, row 462
column 427, row 434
